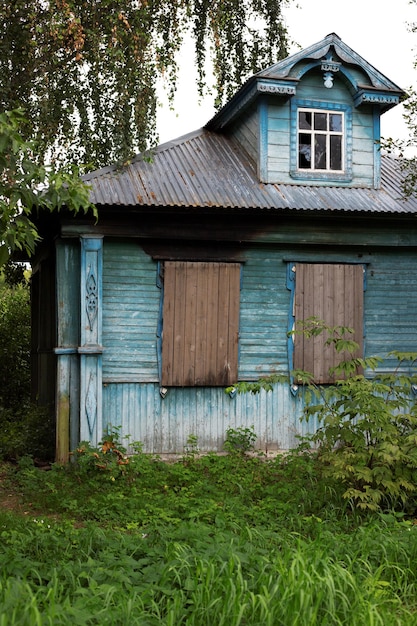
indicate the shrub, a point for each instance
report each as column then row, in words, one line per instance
column 14, row 345
column 240, row 440
column 29, row 430
column 368, row 433
column 24, row 428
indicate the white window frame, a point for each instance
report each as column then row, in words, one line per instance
column 307, row 175
column 324, row 133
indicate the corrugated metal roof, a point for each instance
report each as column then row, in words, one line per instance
column 206, row 169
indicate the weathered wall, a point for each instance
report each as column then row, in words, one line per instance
column 131, row 300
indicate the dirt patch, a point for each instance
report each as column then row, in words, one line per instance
column 11, row 499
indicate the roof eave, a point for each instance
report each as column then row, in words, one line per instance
column 255, row 86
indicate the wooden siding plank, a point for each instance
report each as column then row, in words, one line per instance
column 131, row 301
column 329, row 296
column 222, row 324
column 163, row 426
column 247, row 133
column 316, row 307
column 212, row 320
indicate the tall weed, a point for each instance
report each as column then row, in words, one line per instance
column 200, row 575
column 233, row 540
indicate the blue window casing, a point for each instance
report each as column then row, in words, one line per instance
column 306, row 175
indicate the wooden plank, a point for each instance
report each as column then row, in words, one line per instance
column 317, row 309
column 222, row 325
column 364, row 233
column 185, row 347
column 63, row 410
column 343, row 310
column 202, row 315
column 329, row 298
column 212, row 321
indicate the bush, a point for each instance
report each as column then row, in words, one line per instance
column 24, row 428
column 368, row 433
column 28, row 431
column 14, row 346
column 240, row 440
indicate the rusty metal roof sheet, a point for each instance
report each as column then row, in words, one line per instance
column 209, row 170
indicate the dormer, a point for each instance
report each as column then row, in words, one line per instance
column 313, row 118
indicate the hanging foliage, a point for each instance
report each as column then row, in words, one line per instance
column 85, row 71
column 26, row 187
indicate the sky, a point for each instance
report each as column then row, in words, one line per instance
column 375, row 29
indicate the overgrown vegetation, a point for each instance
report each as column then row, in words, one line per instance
column 327, row 536
column 367, row 435
column 368, row 422
column 14, row 344
column 24, row 428
column 26, row 187
column 233, row 540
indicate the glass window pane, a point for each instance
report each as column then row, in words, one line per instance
column 320, row 140
column 320, row 121
column 304, row 120
column 320, row 152
column 336, row 122
column 335, row 152
column 304, row 151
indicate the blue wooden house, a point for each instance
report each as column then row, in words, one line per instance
column 207, row 254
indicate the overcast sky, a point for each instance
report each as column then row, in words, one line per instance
column 375, row 29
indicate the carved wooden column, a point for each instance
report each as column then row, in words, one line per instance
column 66, row 350
column 90, row 348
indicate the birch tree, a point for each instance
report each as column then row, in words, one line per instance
column 85, row 71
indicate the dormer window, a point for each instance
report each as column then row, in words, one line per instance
column 320, row 140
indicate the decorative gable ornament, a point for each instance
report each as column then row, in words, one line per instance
column 329, row 67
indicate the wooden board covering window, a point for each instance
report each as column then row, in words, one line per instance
column 332, row 293
column 200, row 323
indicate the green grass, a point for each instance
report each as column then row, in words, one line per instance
column 228, row 541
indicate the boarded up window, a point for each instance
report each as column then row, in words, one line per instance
column 200, row 323
column 332, row 293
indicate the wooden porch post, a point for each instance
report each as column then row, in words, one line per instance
column 90, row 348
column 66, row 350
